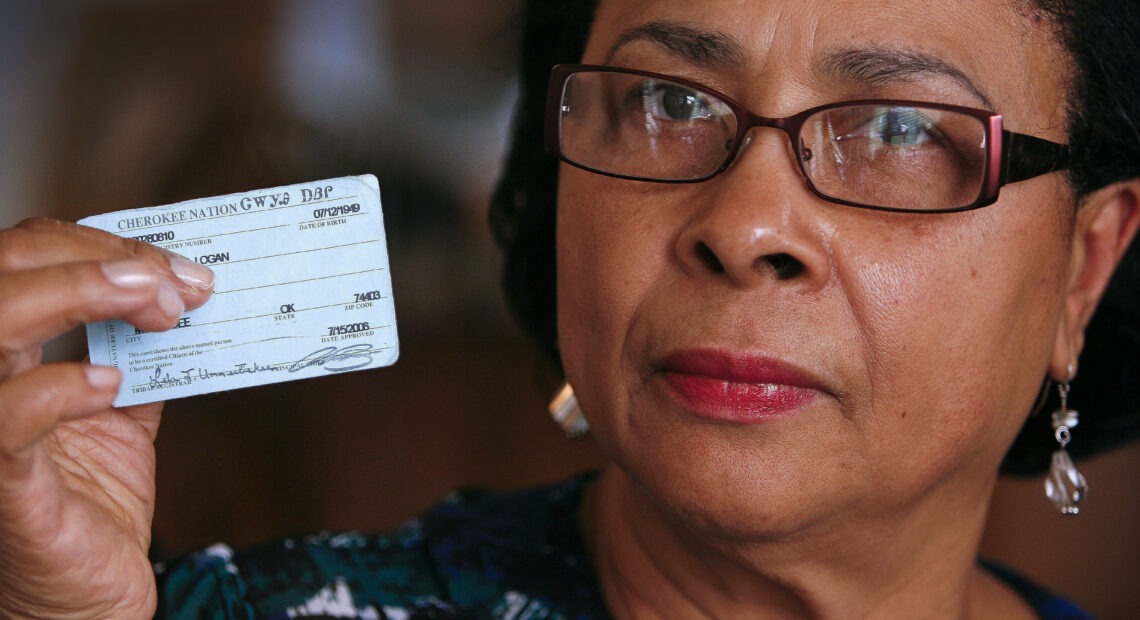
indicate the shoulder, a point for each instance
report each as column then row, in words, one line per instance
column 476, row 554
column 1048, row 605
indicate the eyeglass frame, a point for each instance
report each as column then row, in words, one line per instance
column 1010, row 157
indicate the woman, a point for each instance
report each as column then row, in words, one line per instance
column 806, row 340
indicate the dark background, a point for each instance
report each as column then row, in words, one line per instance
column 109, row 105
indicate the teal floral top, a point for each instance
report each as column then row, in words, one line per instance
column 516, row 556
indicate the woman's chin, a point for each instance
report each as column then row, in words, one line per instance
column 737, row 472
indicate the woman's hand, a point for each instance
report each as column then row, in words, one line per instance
column 76, row 475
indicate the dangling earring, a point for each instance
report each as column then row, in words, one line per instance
column 565, row 411
column 1065, row 486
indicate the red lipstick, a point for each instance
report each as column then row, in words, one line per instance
column 729, row 387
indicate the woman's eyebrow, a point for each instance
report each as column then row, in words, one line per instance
column 883, row 65
column 873, row 65
column 699, row 46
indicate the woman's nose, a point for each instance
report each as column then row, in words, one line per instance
column 757, row 222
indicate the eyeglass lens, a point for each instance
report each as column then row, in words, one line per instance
column 879, row 155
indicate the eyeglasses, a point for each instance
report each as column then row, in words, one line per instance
column 878, row 154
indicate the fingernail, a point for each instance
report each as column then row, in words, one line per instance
column 128, row 274
column 191, row 273
column 103, row 377
column 170, row 301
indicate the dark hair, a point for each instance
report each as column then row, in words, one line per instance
column 1104, row 109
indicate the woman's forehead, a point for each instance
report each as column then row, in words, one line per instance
column 994, row 52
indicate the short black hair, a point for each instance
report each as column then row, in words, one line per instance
column 1101, row 37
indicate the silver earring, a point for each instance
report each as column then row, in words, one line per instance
column 1065, row 486
column 565, row 411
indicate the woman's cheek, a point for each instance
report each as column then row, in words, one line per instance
column 953, row 347
column 610, row 243
column 591, row 298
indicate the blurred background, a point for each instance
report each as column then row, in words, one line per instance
column 117, row 104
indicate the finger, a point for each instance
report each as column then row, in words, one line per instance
column 41, row 303
column 147, row 415
column 32, row 404
column 21, row 361
column 39, row 242
column 197, row 281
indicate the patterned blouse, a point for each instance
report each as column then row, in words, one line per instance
column 518, row 556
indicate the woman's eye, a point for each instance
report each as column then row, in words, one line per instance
column 675, row 103
column 901, row 127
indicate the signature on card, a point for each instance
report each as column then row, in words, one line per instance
column 332, row 359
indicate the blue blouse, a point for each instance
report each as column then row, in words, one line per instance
column 475, row 555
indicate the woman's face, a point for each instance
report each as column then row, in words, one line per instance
column 761, row 360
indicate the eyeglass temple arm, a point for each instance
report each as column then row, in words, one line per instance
column 1029, row 156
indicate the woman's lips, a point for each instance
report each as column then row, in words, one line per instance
column 729, row 387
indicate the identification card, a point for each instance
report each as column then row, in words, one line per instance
column 302, row 289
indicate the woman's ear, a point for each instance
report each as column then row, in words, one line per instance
column 1106, row 222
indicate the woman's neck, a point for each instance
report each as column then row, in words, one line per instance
column 922, row 564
